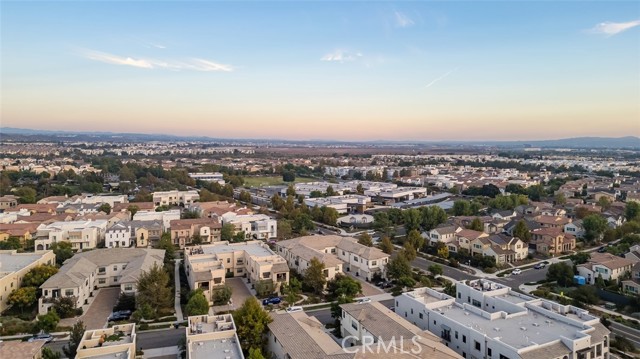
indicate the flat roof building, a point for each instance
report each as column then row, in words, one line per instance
column 117, row 342
column 14, row 266
column 212, row 336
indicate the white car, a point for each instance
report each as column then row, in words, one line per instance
column 516, row 271
column 294, row 309
column 364, row 300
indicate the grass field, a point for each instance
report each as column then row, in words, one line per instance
column 271, row 181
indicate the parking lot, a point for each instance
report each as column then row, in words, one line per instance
column 98, row 312
column 239, row 293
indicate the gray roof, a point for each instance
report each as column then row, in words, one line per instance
column 549, row 351
column 378, row 322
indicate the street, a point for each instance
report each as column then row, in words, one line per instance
column 631, row 334
column 527, row 275
column 451, row 272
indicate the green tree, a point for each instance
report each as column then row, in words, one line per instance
column 461, row 208
column 562, row 273
column 331, row 191
column 580, row 258
column 22, row 297
column 412, row 219
column 48, row 322
column 154, row 289
column 585, row 295
column 255, row 353
column 244, row 196
column 47, row 353
column 604, row 202
column 62, row 250
column 365, row 239
column 284, row 229
column 476, row 225
column 436, row 270
column 381, row 222
column 222, row 295
column 560, row 199
column 399, row 267
column 432, row 217
column 197, row 304
column 600, row 281
column 277, row 202
column 169, row 249
column 77, row 332
column 314, row 277
column 292, row 290
column 133, row 209
column 105, row 207
column 251, row 324
column 329, row 216
column 288, row 176
column 196, row 239
column 11, row 243
column 594, row 226
column 26, row 194
column 343, row 285
column 227, row 231
column 386, row 245
column 415, row 238
column 632, row 211
column 409, row 251
column 302, row 223
column 442, row 250
column 522, row 231
column 65, row 306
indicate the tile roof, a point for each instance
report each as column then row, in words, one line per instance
column 21, row 350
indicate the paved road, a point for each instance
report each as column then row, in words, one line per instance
column 324, row 315
column 446, row 270
column 527, row 275
column 629, row 333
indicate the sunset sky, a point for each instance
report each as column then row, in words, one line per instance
column 324, row 70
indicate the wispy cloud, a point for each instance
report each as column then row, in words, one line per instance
column 402, row 20
column 613, row 28
column 194, row 64
column 341, row 56
column 440, row 77
column 158, row 46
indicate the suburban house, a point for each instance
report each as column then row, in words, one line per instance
column 490, row 320
column 552, row 241
column 552, row 221
column 87, row 271
column 118, row 235
column 14, row 266
column 575, row 228
column 208, row 265
column 632, row 286
column 465, row 237
column 509, row 249
column 254, row 226
column 81, row 234
column 7, row 202
column 607, row 265
column 165, row 217
column 100, row 343
column 175, row 198
column 506, row 214
column 16, row 349
column 22, row 231
column 212, row 336
column 442, row 233
column 342, row 254
column 184, row 230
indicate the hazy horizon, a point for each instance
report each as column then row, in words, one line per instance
column 353, row 71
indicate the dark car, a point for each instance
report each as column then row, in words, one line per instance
column 540, row 266
column 602, row 249
column 120, row 315
column 274, row 300
column 385, row 284
column 48, row 338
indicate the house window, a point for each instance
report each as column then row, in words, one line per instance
column 228, row 260
column 464, row 338
column 373, row 263
column 420, row 315
column 116, row 267
column 101, row 281
column 477, row 344
column 128, row 287
column 101, row 270
column 124, row 266
column 68, row 292
column 489, row 352
column 456, row 334
column 354, row 324
column 503, row 357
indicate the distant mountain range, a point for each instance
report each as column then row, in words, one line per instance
column 11, row 133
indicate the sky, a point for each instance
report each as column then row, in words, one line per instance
column 415, row 70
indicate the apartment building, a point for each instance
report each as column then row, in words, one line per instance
column 208, row 177
column 107, row 267
column 487, row 320
column 82, row 234
column 339, row 254
column 607, row 265
column 14, row 266
column 175, row 198
column 212, row 336
column 184, row 230
column 254, row 226
column 208, row 265
column 118, row 235
column 118, row 341
column 552, row 241
column 165, row 217
column 374, row 323
column 348, row 203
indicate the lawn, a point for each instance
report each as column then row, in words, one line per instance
column 271, row 181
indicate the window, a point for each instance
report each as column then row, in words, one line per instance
column 477, row 345
column 456, row 334
column 373, row 263
column 128, row 287
column 116, row 267
column 354, row 324
column 124, row 266
column 102, row 270
column 598, row 350
column 68, row 292
column 101, row 281
column 489, row 352
column 464, row 338
column 503, row 357
column 411, row 310
column 420, row 315
column 228, row 260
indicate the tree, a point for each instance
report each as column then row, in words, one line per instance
column 331, row 191
column 604, row 202
column 580, row 258
column 196, row 239
column 65, row 306
column 436, row 270
column 284, row 229
column 133, row 209
column 412, row 219
column 197, row 304
column 442, row 250
column 22, row 297
column 26, row 194
column 11, row 243
column 277, row 202
column 62, row 250
column 399, row 267
column 77, row 332
column 169, row 249
column 343, row 285
column 245, row 197
column 594, row 226
column 600, row 281
column 48, row 322
column 302, row 223
column 461, row 208
column 562, row 273
column 585, row 295
column 288, row 176
column 365, row 239
column 291, row 290
column 227, row 231
column 386, row 245
column 409, row 251
column 314, row 277
column 522, row 231
column 222, row 295
column 381, row 222
column 255, row 353
column 432, row 217
column 154, row 289
column 632, row 211
column 560, row 199
column 251, row 324
column 476, row 225
column 329, row 216
column 105, row 207
column 47, row 353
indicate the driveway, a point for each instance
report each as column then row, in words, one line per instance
column 101, row 307
column 368, row 289
column 239, row 293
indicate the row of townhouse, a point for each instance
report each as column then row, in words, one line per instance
column 339, row 255
column 208, row 265
column 254, row 226
column 85, row 272
column 133, row 233
column 605, row 266
column 183, row 231
column 81, row 234
column 175, row 198
column 14, row 266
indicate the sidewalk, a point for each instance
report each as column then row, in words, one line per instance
column 176, row 303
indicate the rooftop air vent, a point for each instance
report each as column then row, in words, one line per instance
column 523, row 328
column 536, row 324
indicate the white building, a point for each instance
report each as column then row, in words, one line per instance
column 118, row 235
column 254, row 226
column 175, row 198
column 165, row 216
column 212, row 336
column 118, row 341
column 348, row 203
column 14, row 266
column 445, row 234
column 208, row 177
column 487, row 320
column 81, row 234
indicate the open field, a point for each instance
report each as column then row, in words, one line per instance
column 271, row 181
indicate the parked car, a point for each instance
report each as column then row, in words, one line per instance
column 540, row 266
column 516, row 271
column 364, row 300
column 274, row 300
column 48, row 338
column 120, row 315
column 602, row 249
column 294, row 309
column 384, row 284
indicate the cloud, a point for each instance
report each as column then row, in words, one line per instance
column 341, row 56
column 403, row 20
column 194, row 64
column 614, row 28
column 440, row 77
column 158, row 46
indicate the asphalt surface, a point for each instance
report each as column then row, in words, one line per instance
column 527, row 275
column 454, row 273
column 324, row 315
column 623, row 331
